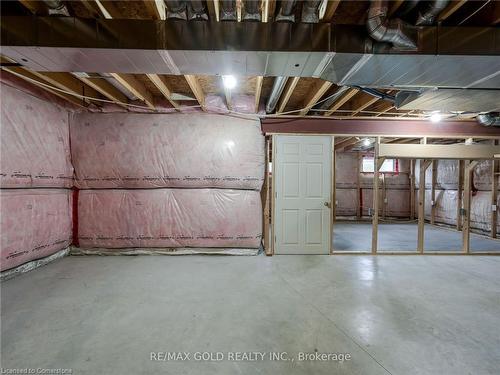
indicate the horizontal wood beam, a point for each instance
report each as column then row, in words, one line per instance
column 258, row 91
column 196, row 89
column 374, row 127
column 106, row 89
column 433, row 151
column 341, row 101
column 450, row 9
column 285, row 97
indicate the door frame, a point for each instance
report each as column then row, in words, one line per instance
column 273, row 188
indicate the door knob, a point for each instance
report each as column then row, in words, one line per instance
column 328, row 204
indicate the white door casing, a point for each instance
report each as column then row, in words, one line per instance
column 303, row 183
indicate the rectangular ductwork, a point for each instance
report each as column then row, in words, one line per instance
column 450, row 57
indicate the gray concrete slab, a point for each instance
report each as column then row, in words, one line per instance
column 394, row 315
column 357, row 236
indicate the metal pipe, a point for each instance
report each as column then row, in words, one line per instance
column 228, row 10
column 489, row 119
column 287, row 11
column 381, row 30
column 310, row 11
column 252, row 10
column 428, row 16
column 278, row 87
column 176, row 9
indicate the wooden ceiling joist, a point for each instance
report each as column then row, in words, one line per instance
column 156, row 8
column 331, row 8
column 287, row 93
column 108, row 9
column 30, row 77
column 196, row 89
column 161, row 84
column 394, row 6
column 362, row 103
column 67, row 82
column 341, row 101
column 106, row 89
column 315, row 95
column 135, row 87
column 258, row 91
column 450, row 9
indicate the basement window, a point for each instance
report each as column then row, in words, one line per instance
column 389, row 165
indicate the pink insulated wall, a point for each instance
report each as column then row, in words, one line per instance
column 34, row 223
column 169, row 218
column 176, row 150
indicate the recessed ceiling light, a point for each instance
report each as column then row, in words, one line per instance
column 229, row 82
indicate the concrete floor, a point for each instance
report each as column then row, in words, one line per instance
column 393, row 315
column 357, row 236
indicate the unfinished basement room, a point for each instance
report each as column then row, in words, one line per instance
column 250, row 187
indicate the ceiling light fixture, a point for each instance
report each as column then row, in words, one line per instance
column 366, row 142
column 229, row 82
column 436, row 117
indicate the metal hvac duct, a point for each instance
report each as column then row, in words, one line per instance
column 428, row 16
column 287, row 11
column 310, row 11
column 196, row 10
column 252, row 10
column 382, row 30
column 176, row 9
column 489, row 119
column 56, row 8
column 228, row 10
column 278, row 87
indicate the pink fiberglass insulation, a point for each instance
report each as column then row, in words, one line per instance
column 34, row 143
column 176, row 150
column 169, row 218
column 34, row 223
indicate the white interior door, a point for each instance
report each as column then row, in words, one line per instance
column 303, row 183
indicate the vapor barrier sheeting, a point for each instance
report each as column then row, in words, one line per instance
column 169, row 218
column 177, row 150
column 34, row 143
column 34, row 223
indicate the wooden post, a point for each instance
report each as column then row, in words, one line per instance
column 495, row 174
column 424, row 164
column 265, row 203
column 469, row 167
column 460, row 185
column 334, row 188
column 377, row 163
column 358, row 188
column 412, row 189
column 333, row 196
column 384, row 197
column 433, row 191
column 273, row 193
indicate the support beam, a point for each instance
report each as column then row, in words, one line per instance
column 333, row 193
column 424, row 164
column 433, row 191
column 315, row 95
column 450, row 9
column 35, row 6
column 346, row 143
column 135, row 87
column 265, row 202
column 106, row 89
column 412, row 189
column 287, row 93
column 268, row 8
column 394, row 6
column 435, row 151
column 196, row 89
column 341, row 101
column 469, row 168
column 258, row 90
column 461, row 169
column 161, row 84
column 495, row 175
column 108, row 9
column 376, row 174
column 359, row 209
